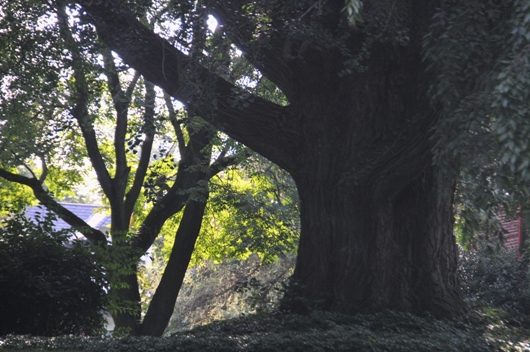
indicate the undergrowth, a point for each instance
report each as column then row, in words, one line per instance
column 482, row 329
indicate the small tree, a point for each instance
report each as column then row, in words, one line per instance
column 50, row 286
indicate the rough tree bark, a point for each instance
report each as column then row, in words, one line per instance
column 376, row 214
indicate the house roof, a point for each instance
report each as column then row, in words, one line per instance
column 88, row 212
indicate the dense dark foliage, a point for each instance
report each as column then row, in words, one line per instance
column 49, row 285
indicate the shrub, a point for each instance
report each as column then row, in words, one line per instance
column 49, row 285
column 493, row 275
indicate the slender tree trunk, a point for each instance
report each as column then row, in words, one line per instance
column 191, row 174
column 128, row 315
column 163, row 303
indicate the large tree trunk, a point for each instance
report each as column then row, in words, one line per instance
column 362, row 254
column 376, row 215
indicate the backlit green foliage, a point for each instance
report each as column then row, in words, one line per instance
column 253, row 209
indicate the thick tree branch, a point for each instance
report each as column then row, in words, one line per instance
column 189, row 178
column 176, row 198
column 93, row 235
column 44, row 172
column 176, row 125
column 147, row 146
column 131, row 86
column 172, row 202
column 113, row 81
column 80, row 111
column 223, row 161
column 121, row 105
column 270, row 59
column 253, row 121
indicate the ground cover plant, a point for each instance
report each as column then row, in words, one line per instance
column 479, row 330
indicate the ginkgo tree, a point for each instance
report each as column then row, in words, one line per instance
column 387, row 102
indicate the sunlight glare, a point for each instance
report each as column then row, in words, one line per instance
column 212, row 23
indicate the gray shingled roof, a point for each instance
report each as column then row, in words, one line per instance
column 88, row 212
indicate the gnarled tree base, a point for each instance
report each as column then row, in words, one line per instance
column 361, row 254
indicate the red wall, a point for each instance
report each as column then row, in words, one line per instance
column 511, row 239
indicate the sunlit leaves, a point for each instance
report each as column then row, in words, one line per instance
column 14, row 197
column 253, row 210
column 353, row 9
